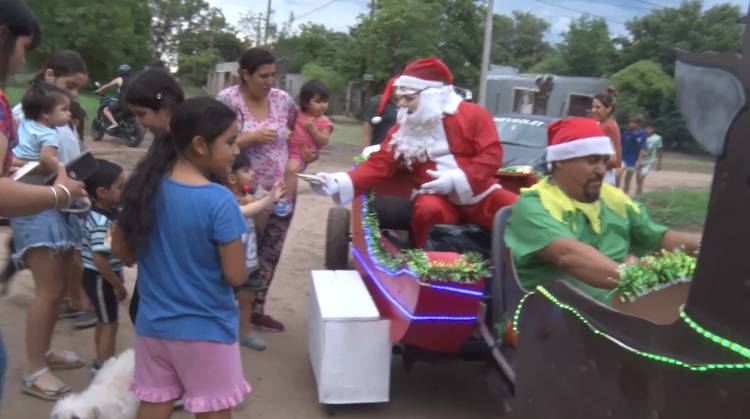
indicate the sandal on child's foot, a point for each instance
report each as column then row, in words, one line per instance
column 53, row 390
column 253, row 342
column 63, row 360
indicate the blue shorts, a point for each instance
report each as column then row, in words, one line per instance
column 51, row 228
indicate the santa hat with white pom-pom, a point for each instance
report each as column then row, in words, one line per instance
column 387, row 95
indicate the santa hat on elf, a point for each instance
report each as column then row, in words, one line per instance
column 570, row 138
column 422, row 74
column 387, row 95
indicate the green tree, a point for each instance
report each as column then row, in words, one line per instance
column 587, row 49
column 645, row 89
column 461, row 31
column 253, row 27
column 645, row 81
column 171, row 18
column 551, row 63
column 212, row 42
column 658, row 35
column 87, row 27
column 519, row 40
column 398, row 32
column 314, row 43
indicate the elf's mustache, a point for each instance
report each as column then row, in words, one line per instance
column 594, row 178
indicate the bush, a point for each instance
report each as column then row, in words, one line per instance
column 335, row 82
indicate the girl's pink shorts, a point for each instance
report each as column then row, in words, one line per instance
column 207, row 375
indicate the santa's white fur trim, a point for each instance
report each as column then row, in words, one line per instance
column 369, row 150
column 346, row 188
column 461, row 185
column 580, row 148
column 416, row 83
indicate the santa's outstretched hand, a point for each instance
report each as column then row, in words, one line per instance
column 442, row 185
column 329, row 187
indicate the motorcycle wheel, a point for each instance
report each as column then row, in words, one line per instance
column 135, row 135
column 97, row 132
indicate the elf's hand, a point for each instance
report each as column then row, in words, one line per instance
column 442, row 185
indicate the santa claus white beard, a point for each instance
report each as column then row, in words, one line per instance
column 420, row 130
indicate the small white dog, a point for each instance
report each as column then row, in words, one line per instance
column 107, row 397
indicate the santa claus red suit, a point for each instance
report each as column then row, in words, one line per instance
column 451, row 148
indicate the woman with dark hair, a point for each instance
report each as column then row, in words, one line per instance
column 266, row 117
column 152, row 97
column 67, row 71
column 19, row 31
column 603, row 110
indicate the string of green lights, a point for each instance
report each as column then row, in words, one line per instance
column 726, row 343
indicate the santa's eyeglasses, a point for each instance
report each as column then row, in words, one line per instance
column 409, row 97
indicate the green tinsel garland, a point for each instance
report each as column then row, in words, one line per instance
column 359, row 159
column 653, row 273
column 526, row 170
column 470, row 268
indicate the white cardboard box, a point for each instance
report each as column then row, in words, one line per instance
column 348, row 342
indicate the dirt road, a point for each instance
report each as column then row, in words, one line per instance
column 282, row 380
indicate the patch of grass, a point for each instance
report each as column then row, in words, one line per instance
column 346, row 134
column 677, row 208
column 679, row 162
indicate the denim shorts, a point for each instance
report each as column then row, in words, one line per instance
column 51, row 228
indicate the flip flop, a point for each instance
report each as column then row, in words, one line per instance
column 55, row 391
column 69, row 360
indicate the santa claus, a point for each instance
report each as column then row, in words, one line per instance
column 449, row 146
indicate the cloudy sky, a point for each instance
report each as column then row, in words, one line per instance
column 340, row 14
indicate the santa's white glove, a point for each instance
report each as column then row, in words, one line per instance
column 329, row 187
column 442, row 185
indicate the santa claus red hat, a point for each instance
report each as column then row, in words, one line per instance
column 387, row 94
column 570, row 138
column 425, row 73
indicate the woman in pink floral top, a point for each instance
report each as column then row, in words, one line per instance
column 265, row 116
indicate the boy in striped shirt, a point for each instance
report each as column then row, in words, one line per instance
column 102, row 275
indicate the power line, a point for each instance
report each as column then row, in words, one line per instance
column 607, row 3
column 609, row 19
column 315, row 9
column 649, row 3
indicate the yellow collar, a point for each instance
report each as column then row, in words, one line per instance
column 557, row 203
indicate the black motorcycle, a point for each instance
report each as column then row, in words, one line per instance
column 128, row 129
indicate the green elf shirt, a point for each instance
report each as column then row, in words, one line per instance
column 615, row 225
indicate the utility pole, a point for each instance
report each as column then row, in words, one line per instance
column 268, row 23
column 486, row 52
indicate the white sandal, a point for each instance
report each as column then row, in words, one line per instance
column 55, row 391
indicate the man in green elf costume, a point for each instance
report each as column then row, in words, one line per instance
column 573, row 226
